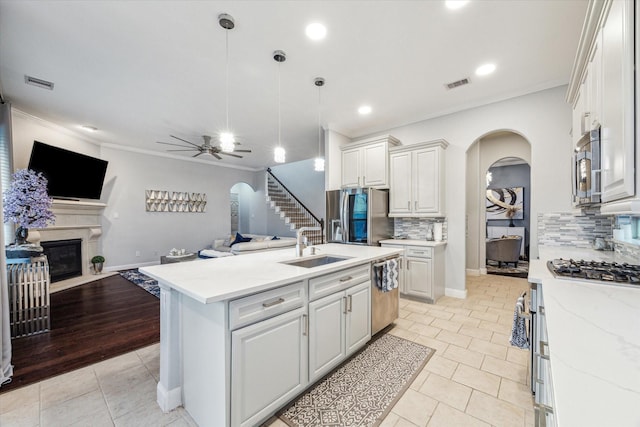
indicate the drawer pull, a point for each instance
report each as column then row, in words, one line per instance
column 344, row 301
column 418, row 252
column 349, row 303
column 346, row 279
column 272, row 303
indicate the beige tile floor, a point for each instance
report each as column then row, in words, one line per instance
column 475, row 378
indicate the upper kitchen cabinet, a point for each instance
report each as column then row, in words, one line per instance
column 417, row 180
column 365, row 163
column 602, row 93
column 617, row 121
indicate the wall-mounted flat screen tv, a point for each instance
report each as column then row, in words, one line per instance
column 71, row 175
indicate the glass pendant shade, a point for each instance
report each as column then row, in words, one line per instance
column 279, row 155
column 227, row 142
column 318, row 164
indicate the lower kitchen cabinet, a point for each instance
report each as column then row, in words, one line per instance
column 268, row 366
column 339, row 324
column 421, row 272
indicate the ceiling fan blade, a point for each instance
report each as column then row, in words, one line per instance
column 169, row 143
column 241, row 151
column 231, row 154
column 184, row 140
column 197, row 154
column 186, row 149
column 216, row 156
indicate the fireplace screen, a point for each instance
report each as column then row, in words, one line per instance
column 65, row 258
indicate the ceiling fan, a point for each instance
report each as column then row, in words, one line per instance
column 205, row 148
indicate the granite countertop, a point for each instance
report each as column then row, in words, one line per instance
column 219, row 279
column 594, row 343
column 413, row 242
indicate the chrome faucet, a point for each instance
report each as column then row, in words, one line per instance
column 300, row 244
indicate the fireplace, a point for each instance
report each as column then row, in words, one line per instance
column 65, row 258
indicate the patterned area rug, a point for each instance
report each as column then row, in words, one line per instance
column 145, row 282
column 509, row 269
column 362, row 391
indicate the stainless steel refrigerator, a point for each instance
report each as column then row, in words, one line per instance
column 358, row 216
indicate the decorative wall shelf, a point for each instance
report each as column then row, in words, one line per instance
column 175, row 201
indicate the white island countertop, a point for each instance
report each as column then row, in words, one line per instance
column 594, row 344
column 219, row 279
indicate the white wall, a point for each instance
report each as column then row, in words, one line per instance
column 543, row 118
column 333, row 159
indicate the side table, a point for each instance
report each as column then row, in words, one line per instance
column 29, row 308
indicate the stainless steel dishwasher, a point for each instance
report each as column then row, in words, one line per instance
column 385, row 306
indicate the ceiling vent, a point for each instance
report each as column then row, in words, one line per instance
column 458, row 83
column 38, row 82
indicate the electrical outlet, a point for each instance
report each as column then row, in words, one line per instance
column 137, row 253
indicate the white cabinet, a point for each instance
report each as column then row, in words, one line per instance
column 365, row 162
column 421, row 272
column 417, row 180
column 268, row 366
column 617, row 121
column 339, row 324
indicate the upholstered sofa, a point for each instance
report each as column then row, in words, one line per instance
column 505, row 249
column 257, row 243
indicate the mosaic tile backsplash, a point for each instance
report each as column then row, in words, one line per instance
column 628, row 250
column 569, row 229
column 416, row 228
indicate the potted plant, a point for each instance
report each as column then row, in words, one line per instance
column 27, row 204
column 98, row 263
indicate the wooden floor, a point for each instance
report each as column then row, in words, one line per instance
column 89, row 323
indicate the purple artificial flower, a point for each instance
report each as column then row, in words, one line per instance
column 26, row 201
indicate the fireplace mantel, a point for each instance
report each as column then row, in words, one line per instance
column 75, row 220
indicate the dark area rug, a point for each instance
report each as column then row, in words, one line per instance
column 145, row 282
column 521, row 271
column 363, row 390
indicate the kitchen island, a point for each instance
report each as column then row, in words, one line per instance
column 593, row 343
column 241, row 336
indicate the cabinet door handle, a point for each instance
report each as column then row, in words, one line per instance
column 272, row 303
column 344, row 301
column 345, row 279
column 349, row 303
column 408, row 265
column 305, row 325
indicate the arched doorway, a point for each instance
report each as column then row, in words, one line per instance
column 487, row 151
column 241, row 199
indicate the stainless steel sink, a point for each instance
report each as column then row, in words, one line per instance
column 316, row 261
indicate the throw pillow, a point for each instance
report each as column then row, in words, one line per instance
column 275, row 238
column 228, row 240
column 240, row 239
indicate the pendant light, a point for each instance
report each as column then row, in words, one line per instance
column 227, row 140
column 279, row 153
column 318, row 164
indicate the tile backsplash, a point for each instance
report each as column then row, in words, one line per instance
column 416, row 228
column 571, row 229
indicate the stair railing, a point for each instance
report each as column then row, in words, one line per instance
column 308, row 215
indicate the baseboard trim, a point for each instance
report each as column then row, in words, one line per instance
column 455, row 293
column 131, row 266
column 168, row 400
column 483, row 271
column 473, row 272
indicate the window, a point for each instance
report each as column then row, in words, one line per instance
column 6, row 166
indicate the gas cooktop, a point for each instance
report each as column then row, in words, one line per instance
column 597, row 271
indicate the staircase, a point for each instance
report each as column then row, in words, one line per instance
column 291, row 210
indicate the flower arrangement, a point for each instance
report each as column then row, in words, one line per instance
column 27, row 203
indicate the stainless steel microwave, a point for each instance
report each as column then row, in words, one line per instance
column 586, row 170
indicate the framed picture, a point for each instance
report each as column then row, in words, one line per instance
column 505, row 203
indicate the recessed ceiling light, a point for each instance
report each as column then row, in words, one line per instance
column 485, row 69
column 316, row 31
column 89, row 128
column 365, row 109
column 455, row 4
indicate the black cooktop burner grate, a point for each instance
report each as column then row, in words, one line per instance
column 602, row 271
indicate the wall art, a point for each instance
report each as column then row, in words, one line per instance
column 505, row 203
column 175, row 201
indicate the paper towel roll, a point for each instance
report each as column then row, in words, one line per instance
column 437, row 231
